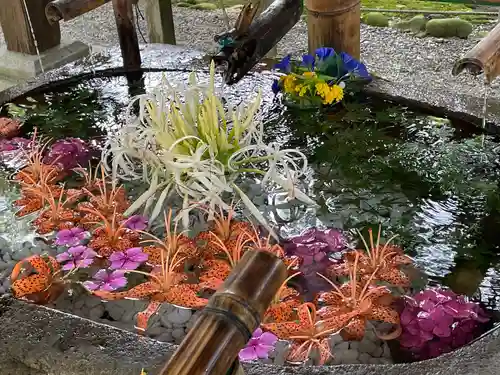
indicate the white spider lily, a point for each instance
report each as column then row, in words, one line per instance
column 185, row 142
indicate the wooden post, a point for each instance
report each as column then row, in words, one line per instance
column 16, row 26
column 127, row 34
column 231, row 316
column 334, row 23
column 160, row 21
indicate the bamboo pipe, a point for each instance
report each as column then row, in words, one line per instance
column 484, row 57
column 231, row 316
column 66, row 10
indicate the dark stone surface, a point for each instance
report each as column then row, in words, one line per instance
column 37, row 340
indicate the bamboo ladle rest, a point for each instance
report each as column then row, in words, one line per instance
column 231, row 316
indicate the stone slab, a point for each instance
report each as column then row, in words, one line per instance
column 36, row 340
column 20, row 65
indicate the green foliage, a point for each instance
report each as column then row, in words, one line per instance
column 450, row 27
column 376, row 19
column 183, row 5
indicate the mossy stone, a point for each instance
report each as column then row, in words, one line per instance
column 204, row 6
column 450, row 27
column 376, row 19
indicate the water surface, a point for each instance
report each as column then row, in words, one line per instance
column 433, row 181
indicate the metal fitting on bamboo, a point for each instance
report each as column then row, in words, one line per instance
column 484, row 57
column 66, row 10
column 334, row 23
column 233, row 313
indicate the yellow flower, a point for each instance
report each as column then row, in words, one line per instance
column 289, row 83
column 301, row 89
column 309, row 74
column 143, row 372
column 329, row 94
column 337, row 92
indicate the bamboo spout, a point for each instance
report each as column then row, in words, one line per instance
column 484, row 57
column 233, row 313
column 262, row 35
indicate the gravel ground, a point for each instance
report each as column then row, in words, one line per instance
column 390, row 54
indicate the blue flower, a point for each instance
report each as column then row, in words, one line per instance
column 308, row 61
column 324, row 52
column 351, row 65
column 276, row 87
column 285, row 64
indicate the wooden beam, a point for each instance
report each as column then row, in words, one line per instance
column 160, row 21
column 66, row 10
column 15, row 22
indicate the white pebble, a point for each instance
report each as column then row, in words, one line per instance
column 166, row 336
column 281, row 350
column 96, row 312
column 387, row 351
column 366, row 346
column 343, row 346
column 115, row 311
column 364, row 358
column 79, row 304
column 155, row 331
column 348, row 356
column 378, row 352
column 178, row 334
column 92, row 301
column 354, row 345
column 130, row 316
column 180, row 316
column 336, row 339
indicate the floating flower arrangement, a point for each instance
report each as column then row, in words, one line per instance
column 319, row 80
column 331, row 288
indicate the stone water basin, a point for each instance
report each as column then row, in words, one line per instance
column 431, row 180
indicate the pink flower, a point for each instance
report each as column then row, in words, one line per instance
column 70, row 237
column 259, row 346
column 128, row 260
column 137, row 222
column 107, row 281
column 76, row 257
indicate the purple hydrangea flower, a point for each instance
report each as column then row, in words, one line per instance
column 69, row 153
column 70, row 237
column 137, row 222
column 107, row 281
column 76, row 257
column 128, row 260
column 437, row 321
column 259, row 346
